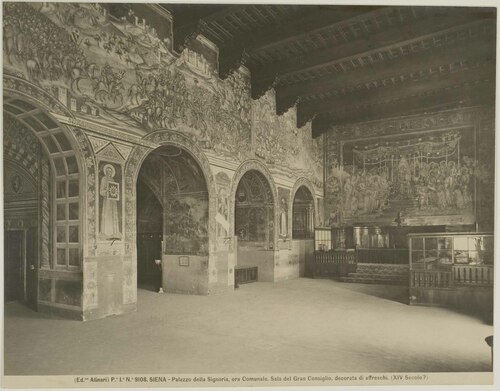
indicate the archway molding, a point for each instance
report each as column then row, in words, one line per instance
column 302, row 181
column 21, row 89
column 243, row 168
column 133, row 166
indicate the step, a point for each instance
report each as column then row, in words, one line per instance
column 385, row 270
column 381, row 269
column 367, row 273
column 381, row 276
column 383, row 265
column 373, row 281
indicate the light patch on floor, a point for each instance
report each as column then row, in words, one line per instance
column 298, row 325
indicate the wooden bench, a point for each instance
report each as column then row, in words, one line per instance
column 245, row 274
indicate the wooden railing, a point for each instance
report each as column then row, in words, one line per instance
column 334, row 263
column 430, row 279
column 473, row 275
column 459, row 275
column 397, row 256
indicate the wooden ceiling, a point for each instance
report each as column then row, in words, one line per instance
column 346, row 64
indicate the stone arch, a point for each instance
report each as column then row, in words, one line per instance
column 132, row 167
column 21, row 89
column 302, row 182
column 243, row 168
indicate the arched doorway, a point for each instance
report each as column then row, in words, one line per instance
column 254, row 224
column 172, row 222
column 42, row 210
column 303, row 214
column 303, row 228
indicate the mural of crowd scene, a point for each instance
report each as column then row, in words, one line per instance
column 279, row 141
column 118, row 71
column 110, row 201
column 429, row 175
column 124, row 69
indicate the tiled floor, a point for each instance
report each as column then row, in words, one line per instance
column 293, row 326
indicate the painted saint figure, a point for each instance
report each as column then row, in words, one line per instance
column 283, row 218
column 110, row 193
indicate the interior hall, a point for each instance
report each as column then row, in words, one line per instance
column 197, row 178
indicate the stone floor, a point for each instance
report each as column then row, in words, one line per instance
column 293, row 326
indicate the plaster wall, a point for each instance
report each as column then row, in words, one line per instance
column 302, row 252
column 263, row 259
column 108, row 95
column 185, row 274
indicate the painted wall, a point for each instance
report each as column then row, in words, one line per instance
column 114, row 71
column 435, row 169
column 122, row 92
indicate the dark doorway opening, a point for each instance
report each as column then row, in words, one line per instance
column 172, row 220
column 149, row 237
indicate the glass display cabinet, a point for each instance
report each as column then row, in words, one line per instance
column 442, row 251
column 322, row 239
column 453, row 269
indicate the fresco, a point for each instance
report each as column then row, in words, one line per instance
column 431, row 174
column 186, row 229
column 486, row 173
column 283, row 196
column 119, row 72
column 278, row 140
column 177, row 182
column 110, row 201
column 222, row 216
column 20, row 144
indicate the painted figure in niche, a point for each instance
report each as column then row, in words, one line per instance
column 223, row 203
column 222, row 213
column 283, row 218
column 110, row 195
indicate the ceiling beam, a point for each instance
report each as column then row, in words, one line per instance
column 393, row 92
column 313, row 20
column 321, row 19
column 473, row 94
column 478, row 48
column 190, row 20
column 265, row 76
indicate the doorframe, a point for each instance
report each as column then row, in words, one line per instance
column 23, row 262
